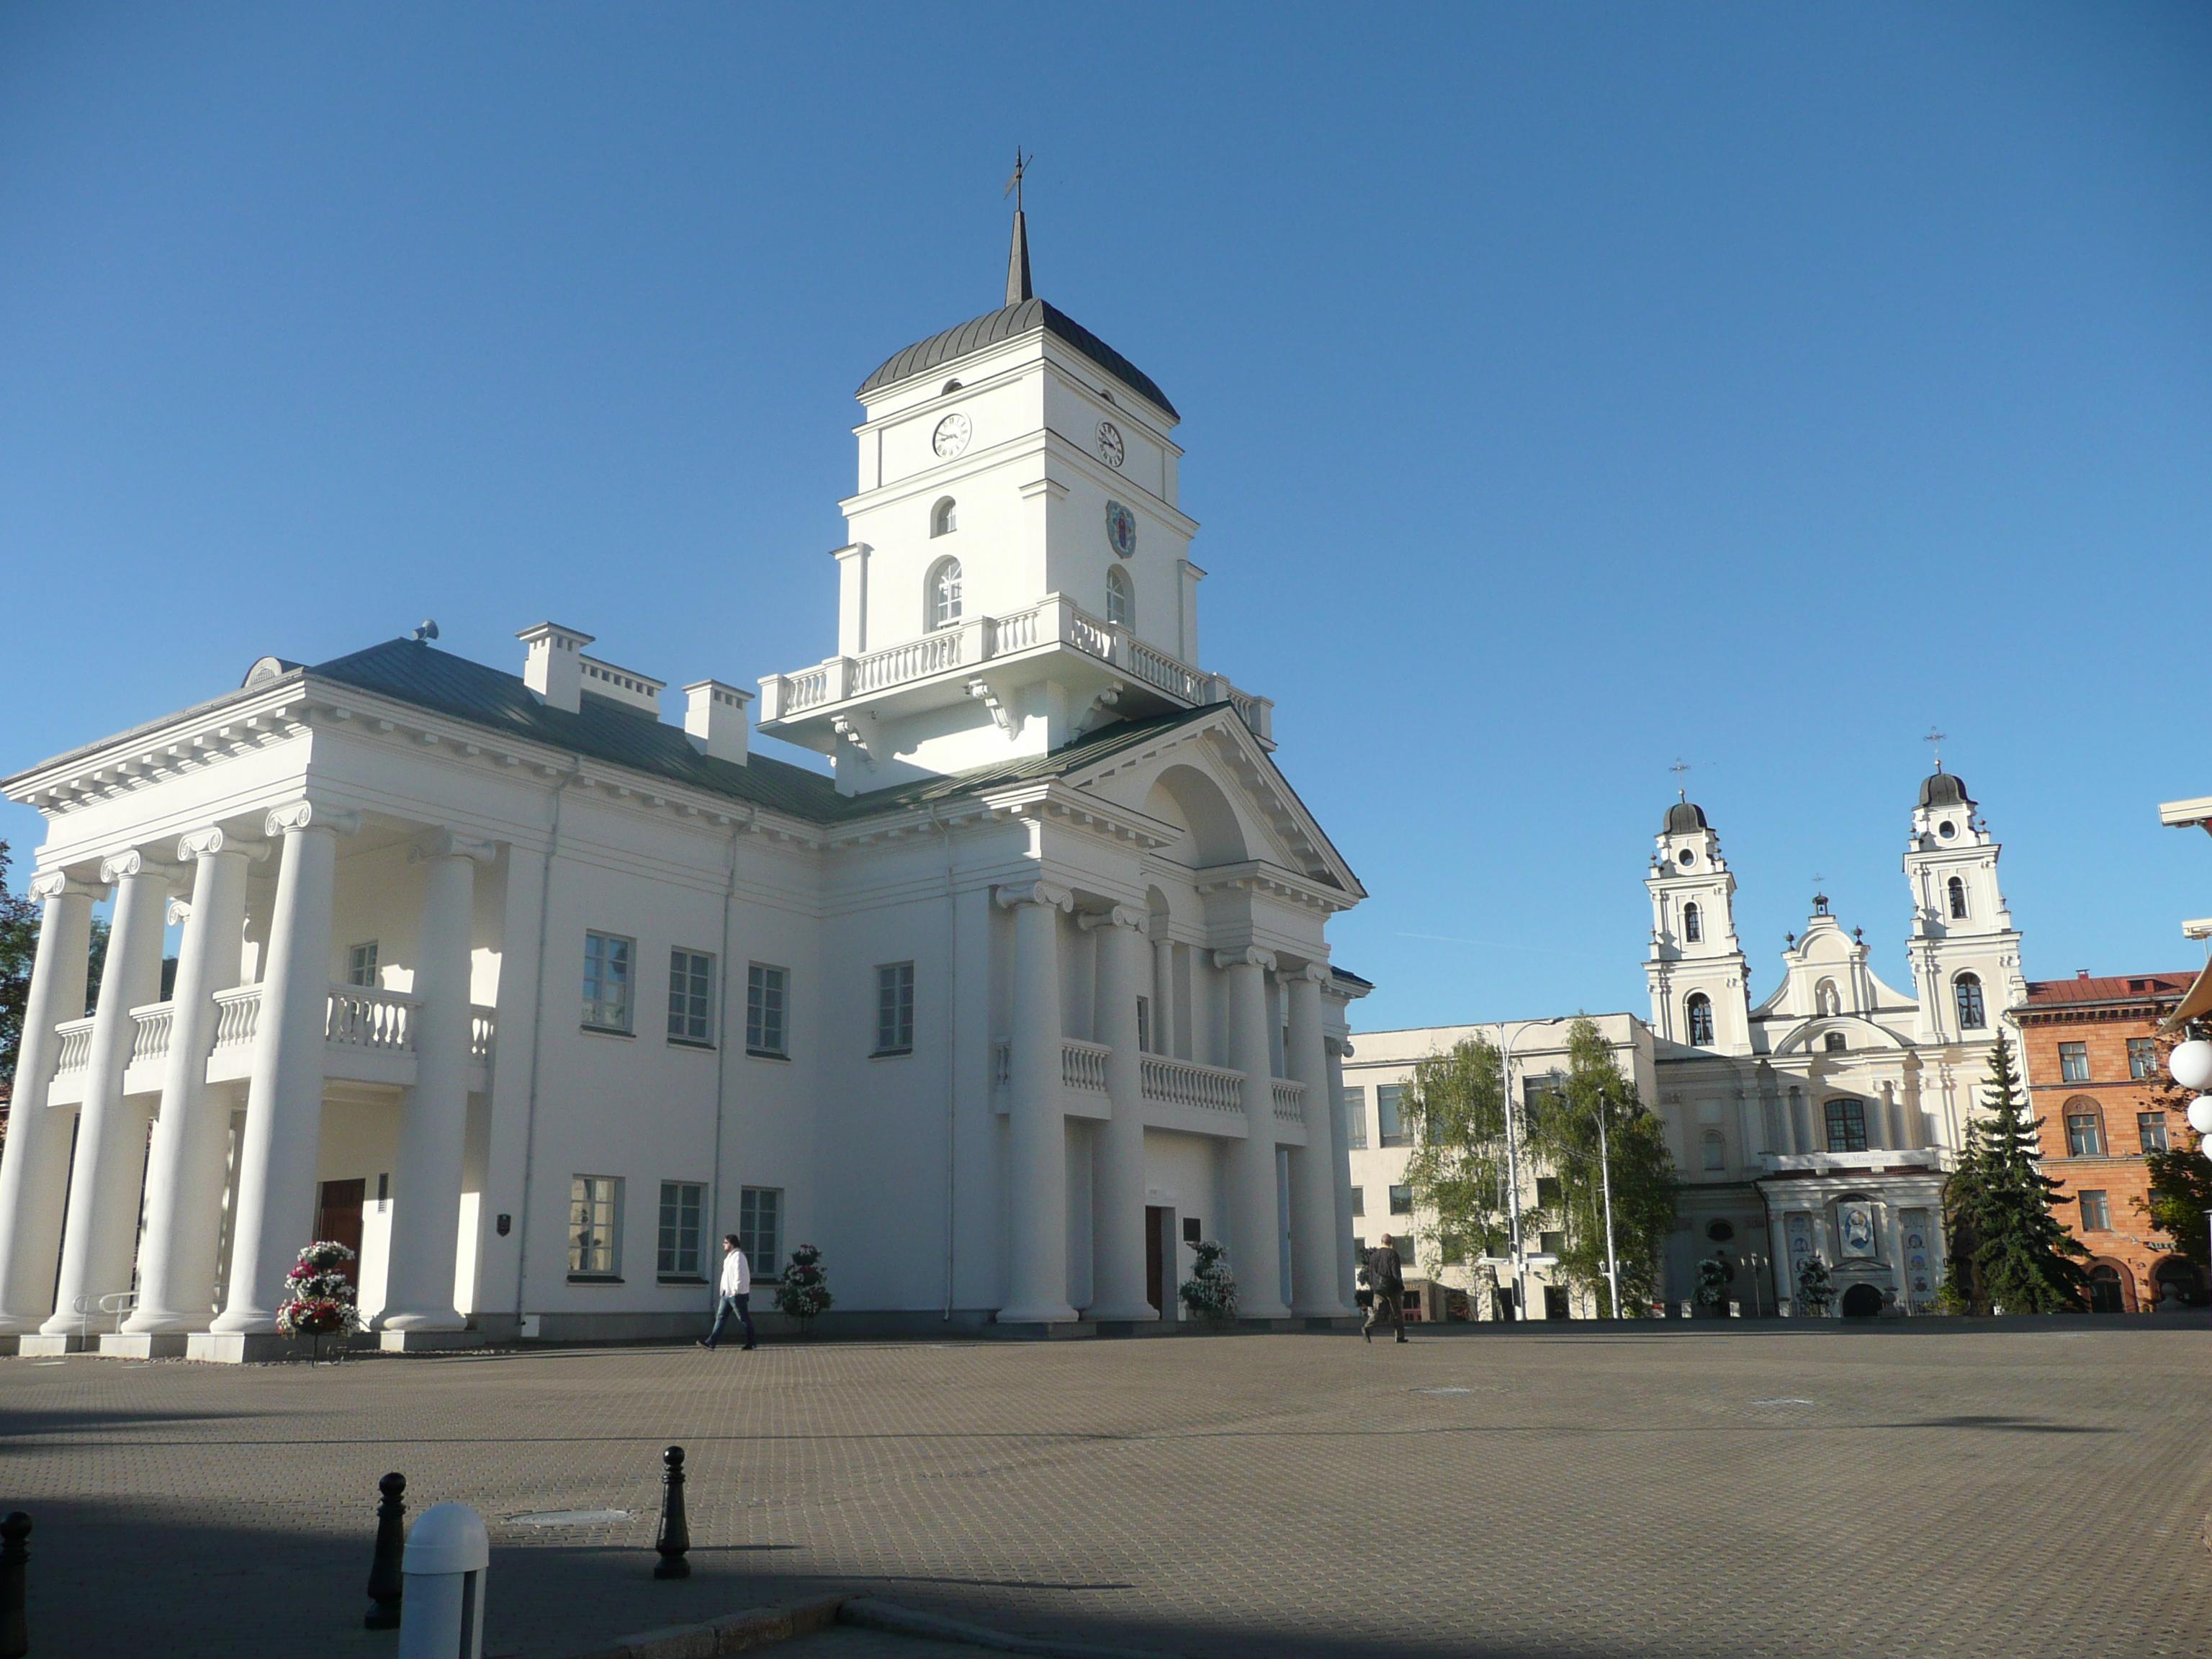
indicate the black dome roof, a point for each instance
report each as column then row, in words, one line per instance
column 1684, row 817
column 1944, row 789
column 1005, row 324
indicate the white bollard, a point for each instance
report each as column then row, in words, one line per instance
column 448, row 1558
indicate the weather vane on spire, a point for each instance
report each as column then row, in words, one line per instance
column 1935, row 741
column 1019, row 286
column 1678, row 768
column 1014, row 183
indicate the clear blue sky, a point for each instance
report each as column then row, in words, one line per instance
column 1567, row 389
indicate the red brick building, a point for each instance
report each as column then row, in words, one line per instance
column 2090, row 1050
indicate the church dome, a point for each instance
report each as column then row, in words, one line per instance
column 1684, row 817
column 1944, row 789
column 1005, row 324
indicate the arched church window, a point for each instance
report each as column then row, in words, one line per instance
column 1958, row 890
column 1846, row 1125
column 951, row 386
column 1693, row 925
column 1699, row 1008
column 1836, row 1042
column 1825, row 1001
column 1973, row 1016
column 944, row 517
column 1120, row 599
column 1716, row 1151
column 2084, row 1127
column 941, row 596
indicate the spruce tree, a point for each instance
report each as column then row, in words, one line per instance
column 1964, row 1194
column 2025, row 1262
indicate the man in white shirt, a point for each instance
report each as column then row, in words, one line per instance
column 735, row 1296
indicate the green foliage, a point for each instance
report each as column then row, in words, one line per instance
column 1453, row 1107
column 1815, row 1290
column 1713, row 1282
column 19, row 944
column 803, row 1291
column 1563, row 1136
column 2180, row 1179
column 1997, row 1205
column 1210, row 1292
column 1963, row 1195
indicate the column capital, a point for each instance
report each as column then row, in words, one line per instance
column 309, row 815
column 1314, row 973
column 1245, row 958
column 206, row 844
column 179, row 909
column 1121, row 915
column 1033, row 893
column 1339, row 1045
column 52, row 883
column 450, row 844
column 135, row 863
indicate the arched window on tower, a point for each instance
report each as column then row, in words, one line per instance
column 1973, row 1016
column 941, row 595
column 1958, row 892
column 944, row 517
column 1120, row 599
column 1693, row 925
column 1699, row 1008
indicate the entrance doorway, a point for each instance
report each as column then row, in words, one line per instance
column 1157, row 1226
column 1862, row 1302
column 2105, row 1295
column 338, row 1217
column 1555, row 1302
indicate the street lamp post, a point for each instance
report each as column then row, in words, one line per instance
column 1605, row 1178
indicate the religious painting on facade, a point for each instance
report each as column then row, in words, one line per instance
column 1918, row 1269
column 1855, row 1216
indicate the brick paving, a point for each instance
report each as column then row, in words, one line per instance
column 2038, row 1489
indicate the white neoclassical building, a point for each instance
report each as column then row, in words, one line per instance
column 533, row 985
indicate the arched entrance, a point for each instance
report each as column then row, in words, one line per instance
column 1862, row 1302
column 2181, row 1277
column 2111, row 1287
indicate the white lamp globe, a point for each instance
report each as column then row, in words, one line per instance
column 2190, row 1064
column 2200, row 1114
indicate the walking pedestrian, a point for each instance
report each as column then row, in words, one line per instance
column 735, row 1296
column 1386, row 1278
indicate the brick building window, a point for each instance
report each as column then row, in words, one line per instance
column 2096, row 1213
column 2142, row 1058
column 2073, row 1062
column 2084, row 1128
column 2150, row 1129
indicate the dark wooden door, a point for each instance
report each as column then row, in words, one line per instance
column 338, row 1215
column 1156, row 1262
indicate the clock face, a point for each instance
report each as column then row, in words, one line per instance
column 1111, row 447
column 950, row 436
column 1120, row 528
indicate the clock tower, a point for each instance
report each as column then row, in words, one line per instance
column 1016, row 567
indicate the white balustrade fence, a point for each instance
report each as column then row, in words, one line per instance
column 151, row 1028
column 75, row 1043
column 360, row 1017
column 1182, row 1083
column 1290, row 1101
column 237, row 1016
column 1083, row 1066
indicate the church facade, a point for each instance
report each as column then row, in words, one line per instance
column 530, row 985
column 1821, row 1120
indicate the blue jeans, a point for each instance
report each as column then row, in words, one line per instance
column 722, row 1311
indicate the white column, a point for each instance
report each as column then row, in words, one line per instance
column 1255, row 1231
column 1339, row 1048
column 35, row 1171
column 1163, row 994
column 1118, row 1172
column 1314, row 1249
column 1037, row 1126
column 284, row 1094
column 101, row 1234
column 186, row 1168
column 426, row 1180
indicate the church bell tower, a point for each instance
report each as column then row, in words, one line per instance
column 1700, row 983
column 1964, row 949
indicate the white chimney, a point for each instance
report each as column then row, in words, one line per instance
column 714, row 716
column 555, row 667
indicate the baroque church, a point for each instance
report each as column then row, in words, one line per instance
column 529, row 985
column 1820, row 1119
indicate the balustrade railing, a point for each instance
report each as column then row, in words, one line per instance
column 932, row 653
column 1083, row 1066
column 237, row 1016
column 75, row 1046
column 1018, row 632
column 151, row 1028
column 1184, row 1083
column 380, row 1021
column 1156, row 668
column 483, row 1030
column 1290, row 1101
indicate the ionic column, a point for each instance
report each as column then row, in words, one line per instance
column 186, row 1167
column 1346, row 1269
column 1118, row 1174
column 1256, row 1230
column 1036, row 1124
column 1314, row 1252
column 101, row 1234
column 34, row 1172
column 426, row 1197
column 285, row 1093
column 1163, row 994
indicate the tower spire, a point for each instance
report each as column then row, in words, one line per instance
column 1017, row 256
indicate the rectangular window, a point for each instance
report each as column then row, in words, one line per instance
column 691, row 997
column 767, row 998
column 1553, row 1243
column 2096, row 1213
column 1547, row 1192
column 895, row 1008
column 1386, row 1117
column 1359, row 1200
column 2085, row 1135
column 1402, row 1200
column 760, row 1230
column 2074, row 1062
column 360, row 963
column 595, row 1226
column 1355, row 1118
column 683, row 1203
column 1847, row 1126
column 2142, row 1058
column 2150, row 1129
column 1145, row 1025
column 606, row 982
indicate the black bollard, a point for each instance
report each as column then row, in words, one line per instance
column 15, row 1634
column 385, row 1583
column 675, row 1531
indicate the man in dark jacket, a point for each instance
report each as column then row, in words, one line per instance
column 1386, row 1278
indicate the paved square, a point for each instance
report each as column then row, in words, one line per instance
column 1711, row 1490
